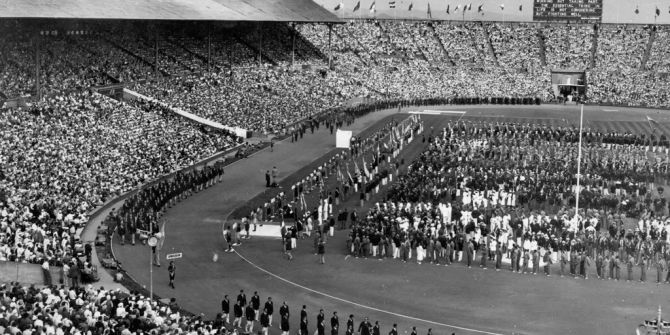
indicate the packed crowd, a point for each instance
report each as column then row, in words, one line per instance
column 569, row 46
column 67, row 155
column 507, row 191
column 372, row 59
column 259, row 99
column 87, row 310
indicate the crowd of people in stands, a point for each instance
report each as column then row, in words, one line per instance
column 494, row 189
column 507, row 192
column 266, row 100
column 86, row 310
column 67, row 155
column 372, row 59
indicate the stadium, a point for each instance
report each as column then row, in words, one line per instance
column 334, row 166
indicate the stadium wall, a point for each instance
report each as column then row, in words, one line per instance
column 614, row 11
column 25, row 273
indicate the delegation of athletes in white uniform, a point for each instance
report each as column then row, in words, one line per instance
column 507, row 191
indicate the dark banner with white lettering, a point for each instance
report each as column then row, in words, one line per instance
column 568, row 10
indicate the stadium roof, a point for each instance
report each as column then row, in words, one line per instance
column 205, row 10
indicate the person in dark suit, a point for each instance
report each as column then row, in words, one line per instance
column 242, row 298
column 303, row 312
column 376, row 329
column 172, row 270
column 250, row 315
column 394, row 330
column 270, row 309
column 365, row 327
column 284, row 326
column 237, row 313
column 256, row 305
column 320, row 323
column 303, row 326
column 267, row 178
column 225, row 308
column 350, row 325
column 334, row 324
column 265, row 322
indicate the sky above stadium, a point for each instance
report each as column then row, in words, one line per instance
column 614, row 11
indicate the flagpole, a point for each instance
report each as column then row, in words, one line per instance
column 579, row 159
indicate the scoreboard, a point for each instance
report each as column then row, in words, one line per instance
column 568, row 10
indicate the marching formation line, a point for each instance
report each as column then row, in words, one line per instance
column 361, row 305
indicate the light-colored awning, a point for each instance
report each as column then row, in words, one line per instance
column 194, row 10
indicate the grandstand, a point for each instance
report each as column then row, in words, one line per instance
column 119, row 118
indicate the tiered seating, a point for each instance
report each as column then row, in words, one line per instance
column 621, row 46
column 568, row 46
column 658, row 59
column 71, row 153
column 459, row 43
column 516, row 45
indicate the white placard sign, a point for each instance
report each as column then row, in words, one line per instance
column 343, row 138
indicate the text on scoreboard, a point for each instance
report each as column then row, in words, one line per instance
column 568, row 10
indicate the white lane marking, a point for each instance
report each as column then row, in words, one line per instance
column 435, row 112
column 361, row 305
column 610, row 110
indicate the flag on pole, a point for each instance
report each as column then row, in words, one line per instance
column 391, row 4
column 358, row 6
column 411, row 5
column 457, row 7
column 428, row 13
column 502, row 6
column 373, row 7
column 365, row 169
column 480, row 8
column 349, row 175
column 658, row 12
column 339, row 6
column 520, row 8
column 637, row 10
column 470, row 6
column 447, row 9
column 652, row 121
